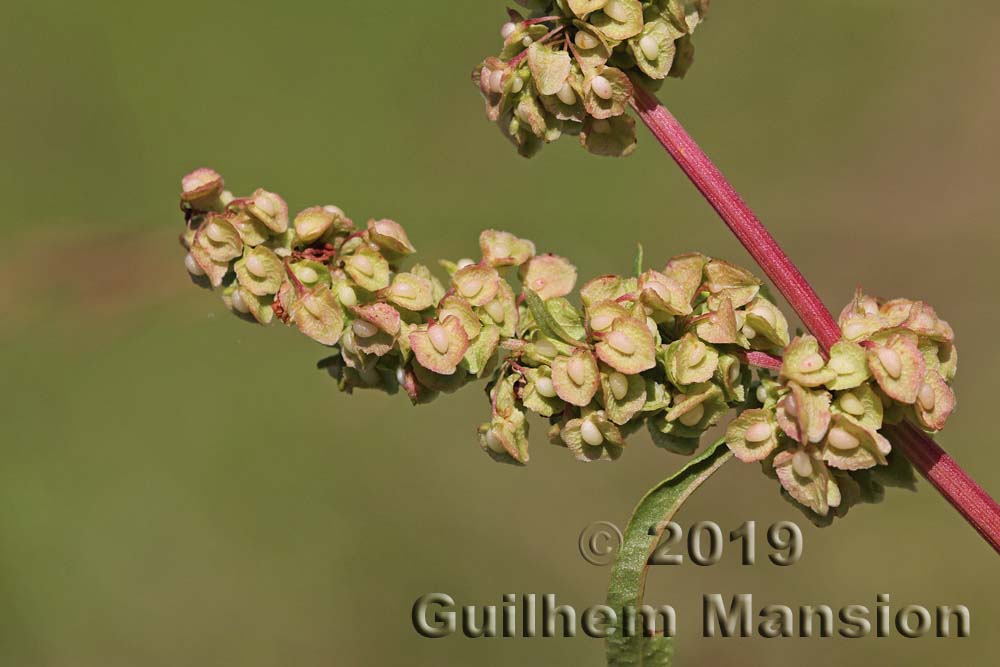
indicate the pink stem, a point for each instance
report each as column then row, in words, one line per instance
column 978, row 508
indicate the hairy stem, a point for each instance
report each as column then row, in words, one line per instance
column 978, row 508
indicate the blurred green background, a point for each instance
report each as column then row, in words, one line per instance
column 180, row 488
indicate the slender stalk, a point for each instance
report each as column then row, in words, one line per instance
column 978, row 508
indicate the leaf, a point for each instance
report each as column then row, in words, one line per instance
column 628, row 579
column 545, row 321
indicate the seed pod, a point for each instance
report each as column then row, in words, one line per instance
column 201, row 189
column 606, row 92
column 390, row 237
column 811, row 489
column 440, row 346
column 411, row 292
column 753, row 436
column 803, row 364
column 270, row 209
column 619, row 20
column 477, row 284
column 576, row 377
column 624, row 395
column 504, row 249
column 727, row 281
column 260, row 272
column 850, row 445
column 689, row 361
column 368, row 269
column 318, row 314
column 628, row 348
column 898, row 366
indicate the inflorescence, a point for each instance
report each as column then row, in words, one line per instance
column 673, row 350
column 569, row 67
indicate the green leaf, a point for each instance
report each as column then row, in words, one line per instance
column 545, row 321
column 628, row 579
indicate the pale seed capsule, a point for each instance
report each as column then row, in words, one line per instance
column 517, row 85
column 404, row 290
column 833, row 495
column 852, row 405
column 841, row 366
column 567, row 95
column 545, row 348
column 585, row 40
column 363, row 265
column 508, row 29
column 927, row 397
column 791, row 407
column 734, row 372
column 661, row 290
column 698, row 353
column 693, row 417
column 256, row 266
column 617, row 10
column 650, row 47
column 501, row 250
column 601, row 322
column 496, row 81
column 439, row 338
column 602, row 88
column 496, row 311
column 619, row 385
column 819, row 436
column 401, row 375
column 749, row 332
column 307, row 274
column 891, row 361
column 192, row 266
column 239, row 303
column 314, row 305
column 216, row 232
column 471, row 288
column 621, row 343
column 462, row 263
column 761, row 394
column 364, row 329
column 853, row 330
column 759, row 432
column 812, row 363
column 545, row 387
column 527, row 41
column 494, row 442
column 591, row 434
column 347, row 295
column 764, row 314
column 577, row 371
column 802, row 464
column 842, row 440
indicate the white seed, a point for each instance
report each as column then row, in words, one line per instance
column 698, row 353
column 759, row 432
column 401, row 375
column 891, row 361
column 601, row 126
column 802, row 464
column 363, row 329
column 518, row 85
column 347, row 342
column 818, row 436
column 927, row 398
column 601, row 322
column 527, row 41
column 496, row 311
column 621, row 343
column 617, row 10
column 256, row 266
column 762, row 394
column 650, row 47
column 314, row 305
column 734, row 372
column 749, row 332
column 545, row 348
column 239, row 303
column 812, row 363
column 508, row 29
column 567, row 95
column 545, row 387
column 363, row 265
column 764, row 314
column 494, row 442
column 216, row 232
column 192, row 266
column 439, row 338
column 591, row 434
column 602, row 88
column 347, row 296
column 266, row 204
column 404, row 290
column 854, row 330
column 496, row 81
column 791, row 407
column 576, row 368
column 462, row 263
column 833, row 495
column 619, row 385
column 307, row 274
column 871, row 308
column 852, row 405
column 586, row 41
column 842, row 440
column 693, row 416
column 471, row 287
column 841, row 365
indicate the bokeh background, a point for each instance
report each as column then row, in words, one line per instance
column 178, row 487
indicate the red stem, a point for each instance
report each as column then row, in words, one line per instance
column 978, row 508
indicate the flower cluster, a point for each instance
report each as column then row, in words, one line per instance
column 569, row 67
column 668, row 349
column 818, row 427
